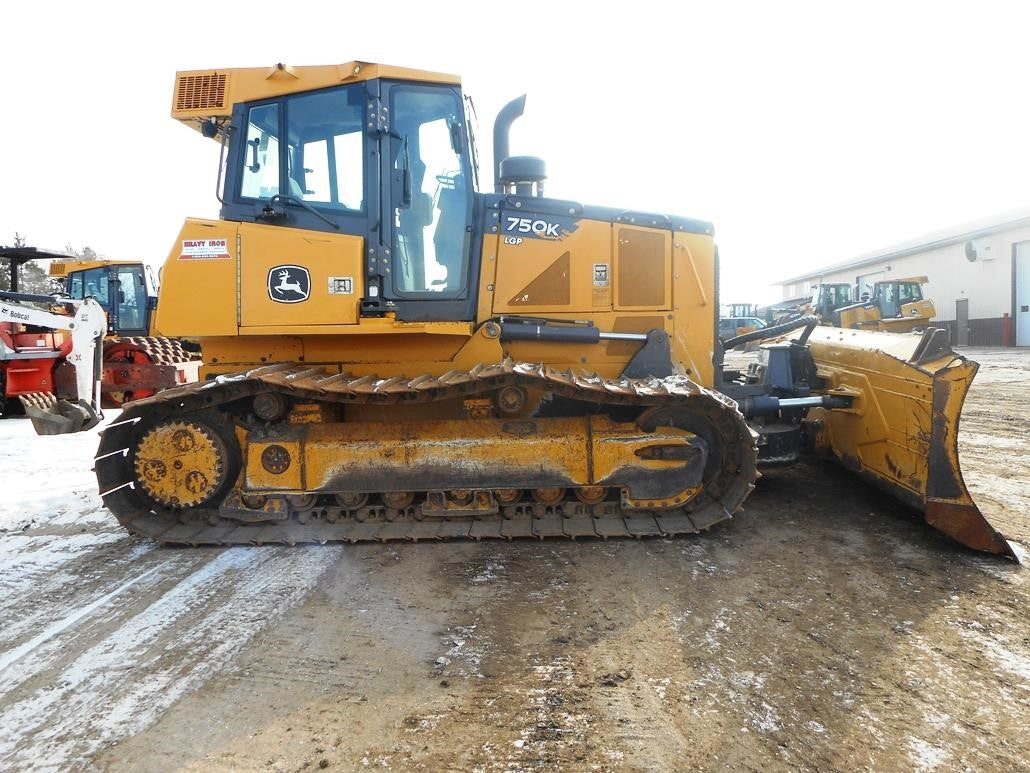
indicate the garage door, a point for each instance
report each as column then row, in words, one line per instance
column 1023, row 294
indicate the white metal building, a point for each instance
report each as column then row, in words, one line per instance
column 979, row 276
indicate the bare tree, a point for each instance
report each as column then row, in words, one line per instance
column 86, row 253
column 32, row 277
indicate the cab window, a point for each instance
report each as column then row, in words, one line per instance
column 75, row 285
column 909, row 292
column 90, row 283
column 886, row 296
column 260, row 178
column 430, row 194
column 132, row 298
column 839, row 295
column 325, row 152
column 318, row 159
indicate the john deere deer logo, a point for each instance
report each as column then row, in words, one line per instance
column 289, row 284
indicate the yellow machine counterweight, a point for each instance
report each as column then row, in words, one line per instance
column 392, row 354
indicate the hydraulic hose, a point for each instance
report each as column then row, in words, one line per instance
column 808, row 322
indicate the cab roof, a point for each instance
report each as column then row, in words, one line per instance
column 200, row 95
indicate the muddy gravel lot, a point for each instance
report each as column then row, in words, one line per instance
column 823, row 628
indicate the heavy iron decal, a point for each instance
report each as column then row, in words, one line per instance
column 289, row 284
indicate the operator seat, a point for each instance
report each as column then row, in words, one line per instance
column 449, row 238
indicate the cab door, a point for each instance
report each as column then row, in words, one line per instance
column 427, row 204
column 306, row 175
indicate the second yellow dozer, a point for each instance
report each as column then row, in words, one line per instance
column 391, row 354
column 896, row 306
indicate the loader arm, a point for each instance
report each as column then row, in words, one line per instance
column 87, row 325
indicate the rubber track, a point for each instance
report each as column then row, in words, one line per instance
column 723, row 497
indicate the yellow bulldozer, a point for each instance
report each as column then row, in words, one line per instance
column 896, row 306
column 390, row 353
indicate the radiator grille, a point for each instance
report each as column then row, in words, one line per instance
column 200, row 92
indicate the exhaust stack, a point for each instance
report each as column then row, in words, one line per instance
column 518, row 175
column 502, row 127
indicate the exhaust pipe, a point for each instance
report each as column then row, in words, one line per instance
column 502, row 126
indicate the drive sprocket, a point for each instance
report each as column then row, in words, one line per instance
column 181, row 464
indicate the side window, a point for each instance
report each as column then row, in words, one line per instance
column 75, row 285
column 261, row 153
column 132, row 298
column 326, row 133
column 431, row 198
column 909, row 292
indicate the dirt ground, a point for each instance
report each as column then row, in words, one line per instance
column 823, row 628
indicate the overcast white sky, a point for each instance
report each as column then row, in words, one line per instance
column 808, row 132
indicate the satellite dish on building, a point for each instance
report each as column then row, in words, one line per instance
column 972, row 251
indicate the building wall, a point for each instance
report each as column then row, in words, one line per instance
column 986, row 282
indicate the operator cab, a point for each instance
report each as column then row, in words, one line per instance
column 828, row 298
column 127, row 292
column 383, row 159
column 889, row 297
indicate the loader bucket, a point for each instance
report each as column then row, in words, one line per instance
column 52, row 416
column 901, row 431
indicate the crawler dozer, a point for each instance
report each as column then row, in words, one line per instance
column 391, row 354
column 896, row 306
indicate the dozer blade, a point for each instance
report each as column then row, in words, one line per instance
column 901, row 432
column 51, row 416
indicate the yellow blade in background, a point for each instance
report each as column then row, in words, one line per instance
column 901, row 432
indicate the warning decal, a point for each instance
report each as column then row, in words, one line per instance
column 341, row 285
column 205, row 249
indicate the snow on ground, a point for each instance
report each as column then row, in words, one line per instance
column 101, row 632
column 48, row 478
column 844, row 643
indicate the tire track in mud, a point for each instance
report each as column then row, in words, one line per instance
column 43, row 576
column 519, row 692
column 12, row 656
column 123, row 664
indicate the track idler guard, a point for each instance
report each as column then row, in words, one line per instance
column 53, row 416
column 901, row 431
